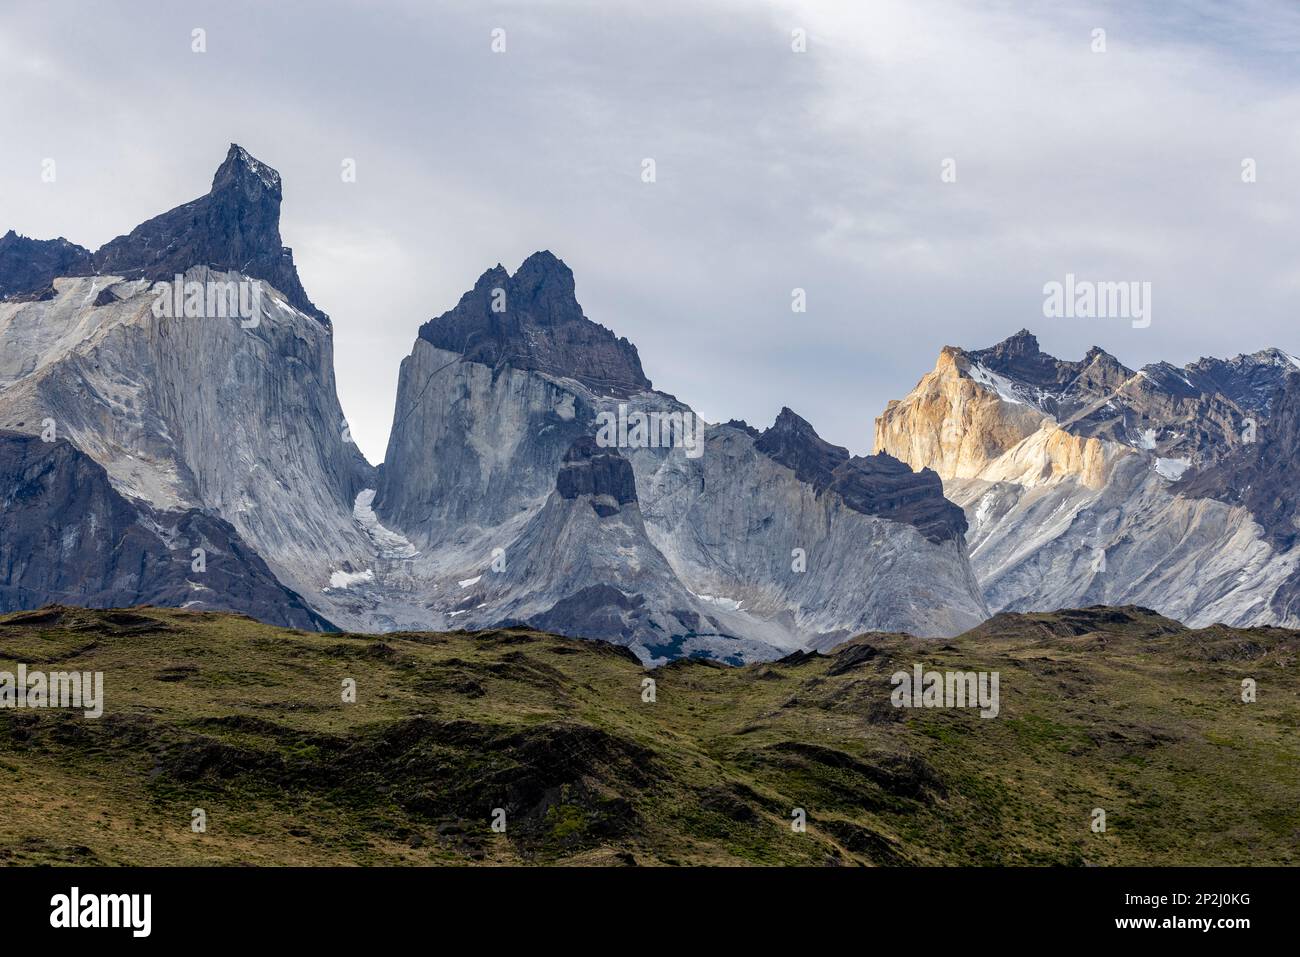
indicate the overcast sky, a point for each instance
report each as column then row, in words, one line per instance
column 775, row 170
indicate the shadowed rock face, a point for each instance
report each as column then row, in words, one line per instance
column 881, row 485
column 1251, row 381
column 794, row 443
column 29, row 266
column 1262, row 476
column 236, row 226
column 601, row 473
column 1019, row 358
column 532, row 321
column 70, row 537
column 877, row 485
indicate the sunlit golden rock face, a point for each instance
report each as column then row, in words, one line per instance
column 961, row 423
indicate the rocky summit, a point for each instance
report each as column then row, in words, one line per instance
column 236, row 226
column 532, row 321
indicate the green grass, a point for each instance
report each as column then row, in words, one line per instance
column 1116, row 709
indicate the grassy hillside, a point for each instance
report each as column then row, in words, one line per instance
column 1117, row 709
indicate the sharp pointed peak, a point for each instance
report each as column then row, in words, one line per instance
column 792, row 441
column 1097, row 353
column 1021, row 343
column 544, row 259
column 545, row 269
column 535, row 322
column 789, row 420
column 242, row 167
column 493, row 274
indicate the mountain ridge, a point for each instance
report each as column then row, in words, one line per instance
column 492, row 504
column 1080, row 479
column 1007, row 480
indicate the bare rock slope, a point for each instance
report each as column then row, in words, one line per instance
column 1079, row 479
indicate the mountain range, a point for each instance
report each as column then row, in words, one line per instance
column 534, row 476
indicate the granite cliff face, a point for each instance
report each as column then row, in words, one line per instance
column 235, row 417
column 1070, row 472
column 533, row 474
column 750, row 545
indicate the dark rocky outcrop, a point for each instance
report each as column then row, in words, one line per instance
column 877, row 485
column 1250, row 381
column 881, row 485
column 69, row 536
column 1062, row 386
column 595, row 610
column 794, row 443
column 601, row 473
column 29, row 266
column 534, row 322
column 236, row 226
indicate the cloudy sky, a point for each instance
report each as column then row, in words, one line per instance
column 776, row 170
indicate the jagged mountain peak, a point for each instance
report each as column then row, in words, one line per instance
column 235, row 226
column 1096, row 354
column 792, row 441
column 787, row 420
column 532, row 321
column 879, row 484
column 29, row 266
column 241, row 169
column 1022, row 343
column 1250, row 380
column 1041, row 375
column 544, row 270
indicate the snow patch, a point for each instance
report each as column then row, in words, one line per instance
column 729, row 603
column 388, row 544
column 1172, row 469
column 342, row 579
column 999, row 384
column 469, row 581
